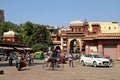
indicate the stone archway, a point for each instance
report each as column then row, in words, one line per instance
column 57, row 48
column 74, row 46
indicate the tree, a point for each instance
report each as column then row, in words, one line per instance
column 6, row 26
column 36, row 35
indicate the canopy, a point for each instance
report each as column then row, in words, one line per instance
column 19, row 48
column 28, row 49
column 6, row 48
column 39, row 52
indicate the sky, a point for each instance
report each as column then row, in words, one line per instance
column 60, row 12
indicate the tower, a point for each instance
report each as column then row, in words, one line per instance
column 1, row 15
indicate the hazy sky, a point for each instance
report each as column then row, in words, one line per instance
column 60, row 12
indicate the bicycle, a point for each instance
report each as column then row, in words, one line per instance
column 53, row 64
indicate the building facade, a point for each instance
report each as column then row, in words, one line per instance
column 10, row 42
column 88, row 37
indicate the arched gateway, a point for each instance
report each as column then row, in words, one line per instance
column 74, row 46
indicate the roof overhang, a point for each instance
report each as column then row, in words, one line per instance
column 87, row 39
column 6, row 48
column 28, row 49
column 107, row 38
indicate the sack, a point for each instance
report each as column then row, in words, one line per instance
column 24, row 63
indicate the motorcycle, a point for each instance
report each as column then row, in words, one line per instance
column 20, row 62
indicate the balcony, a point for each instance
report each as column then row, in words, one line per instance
column 57, row 42
column 53, row 35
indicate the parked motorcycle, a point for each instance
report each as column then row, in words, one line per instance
column 20, row 62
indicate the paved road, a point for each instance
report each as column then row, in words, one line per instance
column 36, row 72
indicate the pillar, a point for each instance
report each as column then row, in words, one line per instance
column 118, row 50
column 68, row 45
column 100, row 48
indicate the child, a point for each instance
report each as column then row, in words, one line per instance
column 70, row 58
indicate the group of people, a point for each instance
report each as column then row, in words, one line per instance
column 13, row 55
column 56, row 53
column 51, row 54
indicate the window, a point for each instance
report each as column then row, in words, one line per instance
column 90, row 56
column 86, row 55
column 109, row 28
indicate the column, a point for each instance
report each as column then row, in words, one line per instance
column 118, row 50
column 68, row 45
column 100, row 48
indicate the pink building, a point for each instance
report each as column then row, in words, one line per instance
column 86, row 37
column 10, row 36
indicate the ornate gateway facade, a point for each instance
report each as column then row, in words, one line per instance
column 87, row 37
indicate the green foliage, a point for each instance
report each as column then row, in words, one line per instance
column 40, row 47
column 6, row 26
column 28, row 28
column 35, row 35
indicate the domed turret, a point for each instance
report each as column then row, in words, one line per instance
column 76, row 23
column 10, row 36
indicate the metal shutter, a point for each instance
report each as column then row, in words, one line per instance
column 111, row 50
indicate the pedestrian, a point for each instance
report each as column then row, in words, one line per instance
column 7, row 53
column 54, row 56
column 32, row 57
column 70, row 58
column 11, row 58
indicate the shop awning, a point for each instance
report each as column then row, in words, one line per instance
column 19, row 48
column 28, row 49
column 23, row 48
column 6, row 48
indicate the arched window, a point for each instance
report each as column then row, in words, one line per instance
column 109, row 28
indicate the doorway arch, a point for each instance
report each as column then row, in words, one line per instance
column 57, row 48
column 74, row 46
